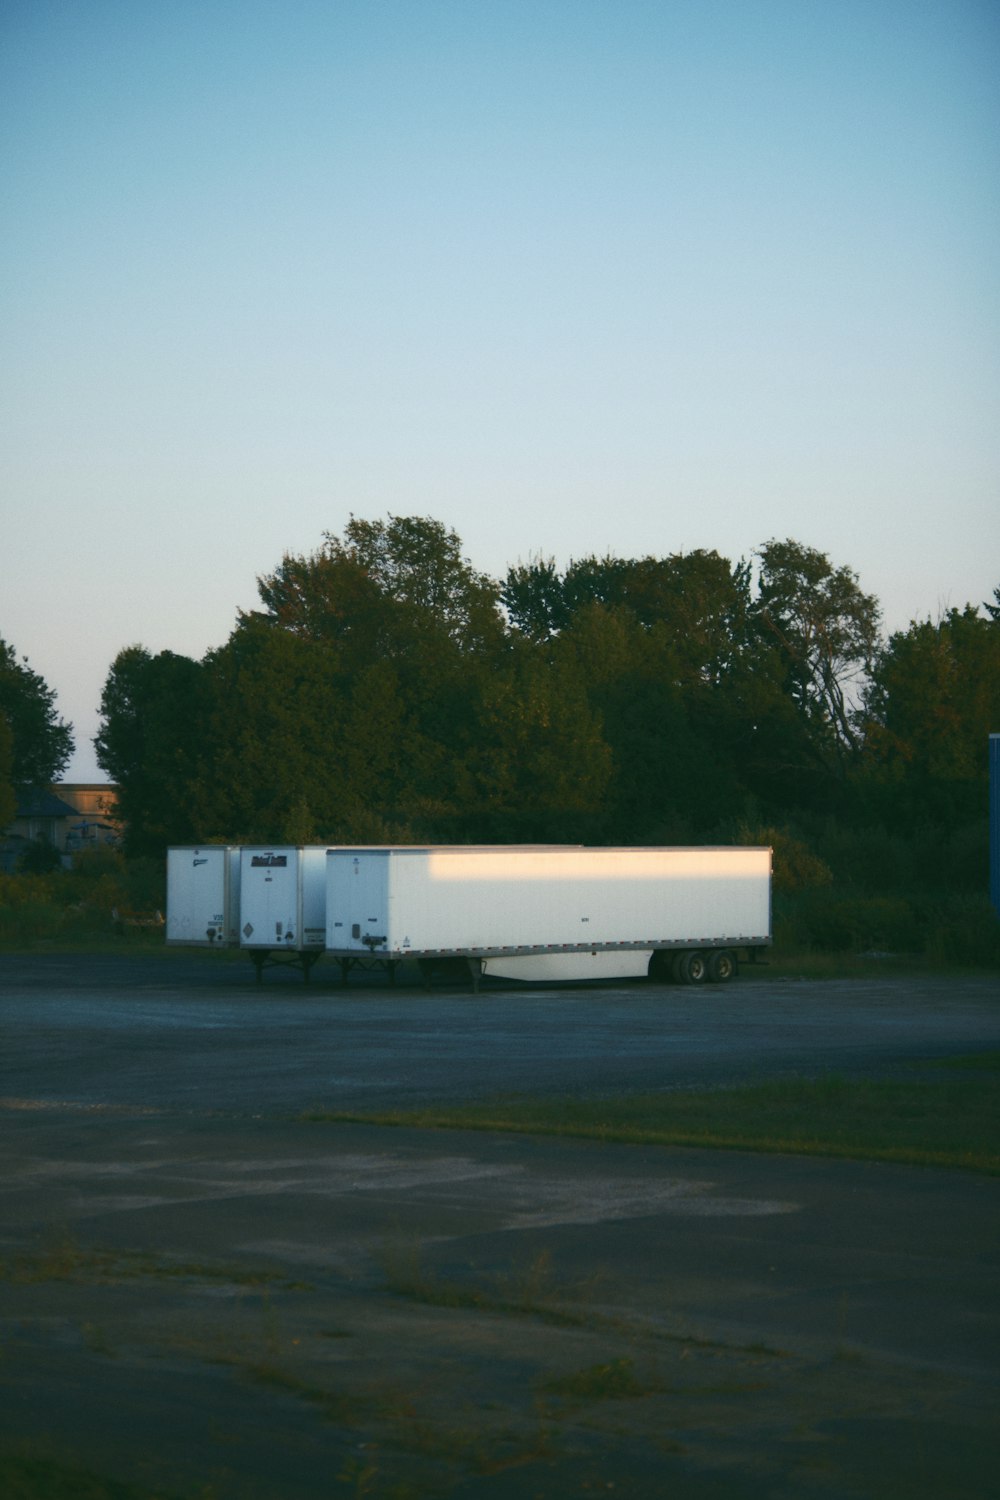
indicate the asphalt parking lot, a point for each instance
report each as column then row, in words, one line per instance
column 204, row 1295
column 186, row 1031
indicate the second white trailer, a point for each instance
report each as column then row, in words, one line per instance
column 283, row 903
column 537, row 914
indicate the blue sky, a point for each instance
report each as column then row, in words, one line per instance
column 571, row 276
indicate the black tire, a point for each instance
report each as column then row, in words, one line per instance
column 721, row 965
column 692, row 967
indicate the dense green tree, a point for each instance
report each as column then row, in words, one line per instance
column 270, row 738
column 695, row 688
column 933, row 701
column 533, row 596
column 40, row 743
column 825, row 630
column 671, row 781
column 327, row 597
column 8, row 797
column 536, row 766
column 699, row 598
column 401, row 639
column 418, row 563
column 385, row 588
column 301, row 750
column 151, row 743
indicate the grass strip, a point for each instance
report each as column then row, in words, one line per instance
column 948, row 1119
column 66, row 1260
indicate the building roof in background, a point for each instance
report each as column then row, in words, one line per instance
column 39, row 803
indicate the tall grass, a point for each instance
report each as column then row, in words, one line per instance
column 68, row 907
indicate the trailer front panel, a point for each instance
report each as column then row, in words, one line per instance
column 282, row 898
column 203, row 896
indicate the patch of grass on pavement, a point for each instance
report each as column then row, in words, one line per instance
column 64, row 1259
column 534, row 1293
column 616, row 1380
column 949, row 1117
column 31, row 1477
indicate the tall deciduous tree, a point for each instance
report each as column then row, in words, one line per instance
column 670, row 779
column 40, row 742
column 537, row 765
column 933, row 701
column 408, row 636
column 534, row 598
column 383, row 585
column 826, row 632
column 699, row 598
column 150, row 743
column 301, row 750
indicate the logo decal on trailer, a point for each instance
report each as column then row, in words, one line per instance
column 268, row 861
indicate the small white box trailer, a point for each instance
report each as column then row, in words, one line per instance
column 203, row 896
column 551, row 913
column 283, row 904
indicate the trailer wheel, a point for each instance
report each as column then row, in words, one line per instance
column 721, row 965
column 692, row 967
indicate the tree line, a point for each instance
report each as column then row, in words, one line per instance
column 388, row 691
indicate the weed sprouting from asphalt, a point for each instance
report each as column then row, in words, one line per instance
column 361, row 1474
column 614, row 1381
column 59, row 1258
column 337, row 1407
column 532, row 1292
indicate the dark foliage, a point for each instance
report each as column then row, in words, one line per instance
column 387, row 691
column 35, row 744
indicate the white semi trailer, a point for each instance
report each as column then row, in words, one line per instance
column 203, row 896
column 551, row 914
column 283, row 904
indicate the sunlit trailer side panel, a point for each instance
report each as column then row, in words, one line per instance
column 523, row 911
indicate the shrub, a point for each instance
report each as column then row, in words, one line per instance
column 794, row 865
column 39, row 857
column 879, row 860
column 949, row 929
column 964, row 930
column 19, row 890
column 76, row 905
